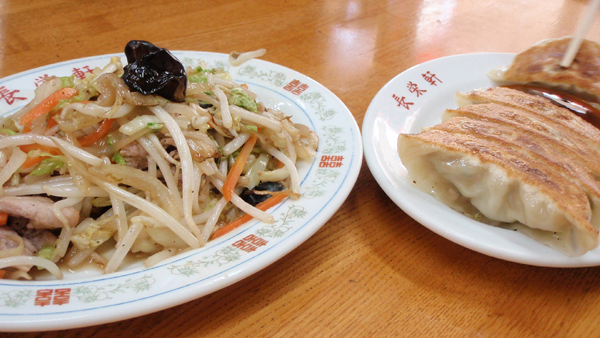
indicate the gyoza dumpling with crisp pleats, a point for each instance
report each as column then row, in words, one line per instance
column 540, row 65
column 496, row 171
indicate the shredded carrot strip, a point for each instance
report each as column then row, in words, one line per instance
column 51, row 123
column 279, row 165
column 98, row 134
column 3, row 219
column 27, row 128
column 31, row 161
column 47, row 105
column 29, row 147
column 238, row 166
column 268, row 203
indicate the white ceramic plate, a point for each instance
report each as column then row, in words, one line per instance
column 88, row 298
column 414, row 99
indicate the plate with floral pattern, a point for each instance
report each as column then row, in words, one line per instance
column 87, row 297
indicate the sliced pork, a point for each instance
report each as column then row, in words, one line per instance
column 38, row 210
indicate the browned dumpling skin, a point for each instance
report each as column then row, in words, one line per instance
column 516, row 160
column 540, row 65
column 503, row 181
column 537, row 132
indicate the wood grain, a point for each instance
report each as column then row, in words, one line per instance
column 371, row 270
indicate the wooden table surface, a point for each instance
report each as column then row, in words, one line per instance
column 371, row 270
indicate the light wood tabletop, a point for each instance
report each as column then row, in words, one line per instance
column 371, row 270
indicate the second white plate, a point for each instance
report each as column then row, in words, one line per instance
column 414, row 99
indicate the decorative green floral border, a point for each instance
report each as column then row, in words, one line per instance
column 16, row 298
column 91, row 293
column 275, row 78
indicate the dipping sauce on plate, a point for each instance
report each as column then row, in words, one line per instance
column 578, row 106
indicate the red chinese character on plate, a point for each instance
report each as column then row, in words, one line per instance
column 293, row 84
column 255, row 240
column 431, row 78
column 413, row 88
column 40, row 79
column 80, row 72
column 43, row 297
column 402, row 101
column 10, row 96
column 61, row 296
column 244, row 246
column 298, row 90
